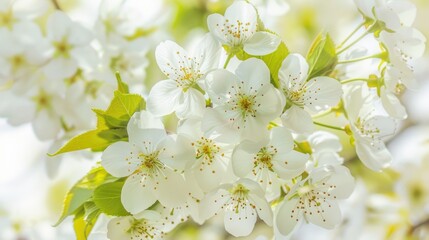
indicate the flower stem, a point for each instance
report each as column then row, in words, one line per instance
column 322, row 114
column 56, row 5
column 378, row 55
column 350, row 35
column 354, row 80
column 329, row 126
column 368, row 30
column 227, row 60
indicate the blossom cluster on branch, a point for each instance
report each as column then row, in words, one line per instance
column 246, row 144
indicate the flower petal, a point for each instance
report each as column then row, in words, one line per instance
column 254, row 74
column 288, row 216
column 322, row 93
column 240, row 222
column 120, row 159
column 298, row 120
column 171, row 189
column 262, row 43
column 137, row 193
column 193, row 104
column 164, row 98
column 293, row 72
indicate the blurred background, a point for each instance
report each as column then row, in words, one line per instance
column 393, row 204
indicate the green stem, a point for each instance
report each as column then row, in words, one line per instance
column 354, row 80
column 329, row 126
column 378, row 55
column 227, row 60
column 368, row 30
column 56, row 5
column 350, row 35
column 322, row 114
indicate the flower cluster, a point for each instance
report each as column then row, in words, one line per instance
column 244, row 145
column 247, row 143
column 54, row 71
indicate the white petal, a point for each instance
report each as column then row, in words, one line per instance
column 164, row 98
column 405, row 10
column 137, row 193
column 207, row 53
column 120, row 159
column 281, row 138
column 171, row 58
column 254, row 74
column 243, row 157
column 343, row 181
column 57, row 26
column 240, row 222
column 212, row 203
column 215, row 24
column 171, row 190
column 263, row 208
column 193, row 104
column 217, row 127
column 45, row 125
column 118, row 228
column 322, row 93
column 298, row 120
column 142, row 120
column 60, row 68
column 293, row 72
column 146, row 140
column 290, row 164
column 328, row 217
column 288, row 216
column 218, row 85
column 79, row 36
column 210, row 176
column 392, row 105
column 262, row 43
column 272, row 103
column 245, row 13
column 374, row 155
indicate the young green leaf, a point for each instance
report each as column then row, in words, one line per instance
column 83, row 227
column 322, row 56
column 82, row 191
column 107, row 197
column 122, row 87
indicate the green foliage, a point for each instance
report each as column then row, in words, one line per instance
column 111, row 123
column 322, row 56
column 98, row 192
column 273, row 61
column 107, row 198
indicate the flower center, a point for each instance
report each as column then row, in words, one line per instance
column 150, row 163
column 236, row 32
column 62, row 48
column 206, row 150
column 6, row 18
column 141, row 229
column 263, row 159
column 245, row 104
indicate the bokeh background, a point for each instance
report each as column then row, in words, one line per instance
column 393, row 204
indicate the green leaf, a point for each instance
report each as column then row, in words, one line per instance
column 107, row 197
column 73, row 202
column 82, row 191
column 322, row 56
column 122, row 87
column 90, row 139
column 83, row 227
column 273, row 60
column 123, row 106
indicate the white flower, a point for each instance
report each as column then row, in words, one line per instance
column 243, row 103
column 20, row 53
column 314, row 95
column 268, row 162
column 403, row 45
column 181, row 92
column 392, row 13
column 325, row 147
column 149, row 161
column 315, row 199
column 240, row 203
column 392, row 105
column 69, row 47
column 149, row 225
column 238, row 30
column 209, row 159
column 369, row 128
column 129, row 58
